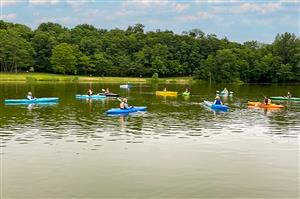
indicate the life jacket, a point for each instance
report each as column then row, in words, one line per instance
column 218, row 101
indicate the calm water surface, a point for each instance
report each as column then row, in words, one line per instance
column 178, row 149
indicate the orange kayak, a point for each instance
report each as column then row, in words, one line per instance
column 262, row 105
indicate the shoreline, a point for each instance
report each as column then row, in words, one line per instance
column 48, row 77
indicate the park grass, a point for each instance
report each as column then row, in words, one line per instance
column 46, row 77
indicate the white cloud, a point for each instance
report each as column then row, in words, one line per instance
column 78, row 3
column 216, row 1
column 10, row 16
column 9, row 2
column 42, row 2
column 181, row 7
column 262, row 8
column 198, row 16
column 289, row 1
column 146, row 3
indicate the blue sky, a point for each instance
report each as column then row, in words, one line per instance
column 238, row 20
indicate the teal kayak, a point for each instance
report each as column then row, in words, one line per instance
column 90, row 96
column 216, row 106
column 34, row 101
column 280, row 98
column 126, row 111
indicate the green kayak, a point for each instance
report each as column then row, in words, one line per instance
column 280, row 98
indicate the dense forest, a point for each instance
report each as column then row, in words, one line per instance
column 86, row 50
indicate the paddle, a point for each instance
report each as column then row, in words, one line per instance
column 103, row 90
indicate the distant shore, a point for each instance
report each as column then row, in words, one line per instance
column 47, row 77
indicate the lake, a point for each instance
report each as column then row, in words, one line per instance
column 177, row 149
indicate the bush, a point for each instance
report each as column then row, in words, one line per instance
column 30, row 79
column 154, row 77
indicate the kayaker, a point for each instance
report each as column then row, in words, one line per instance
column 107, row 91
column 225, row 91
column 124, row 104
column 267, row 100
column 218, row 100
column 89, row 92
column 289, row 95
column 29, row 96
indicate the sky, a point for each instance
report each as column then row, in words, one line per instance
column 238, row 20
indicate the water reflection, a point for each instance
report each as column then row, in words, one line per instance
column 181, row 117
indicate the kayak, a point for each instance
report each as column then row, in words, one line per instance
column 126, row 111
column 224, row 94
column 109, row 94
column 216, row 106
column 166, row 93
column 280, row 98
column 263, row 105
column 26, row 101
column 32, row 104
column 126, row 86
column 90, row 96
column 186, row 94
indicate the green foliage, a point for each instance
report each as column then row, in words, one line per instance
column 86, row 50
column 63, row 59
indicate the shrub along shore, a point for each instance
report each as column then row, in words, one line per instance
column 46, row 77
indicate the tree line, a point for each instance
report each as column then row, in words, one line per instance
column 86, row 50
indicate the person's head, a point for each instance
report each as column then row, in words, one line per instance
column 90, row 89
column 225, row 88
column 125, row 100
column 29, row 93
column 186, row 89
column 289, row 93
column 217, row 97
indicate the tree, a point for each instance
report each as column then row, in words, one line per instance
column 15, row 52
column 63, row 59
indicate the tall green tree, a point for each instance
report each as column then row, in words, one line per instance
column 64, row 59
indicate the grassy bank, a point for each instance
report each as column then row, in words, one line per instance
column 38, row 77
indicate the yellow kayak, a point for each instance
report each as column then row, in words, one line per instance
column 166, row 93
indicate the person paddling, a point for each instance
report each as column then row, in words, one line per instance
column 89, row 92
column 267, row 100
column 124, row 104
column 30, row 97
column 289, row 95
column 218, row 100
column 225, row 91
column 107, row 91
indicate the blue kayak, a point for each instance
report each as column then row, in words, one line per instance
column 216, row 106
column 126, row 111
column 34, row 101
column 126, row 86
column 90, row 96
